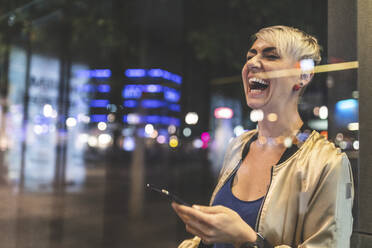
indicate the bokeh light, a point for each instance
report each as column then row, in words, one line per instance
column 102, row 126
column 92, row 141
column 48, row 110
column 112, row 107
column 104, row 140
column 154, row 134
column 287, row 142
column 70, row 122
column 339, row 137
column 133, row 118
column 324, row 134
column 272, row 117
column 197, row 143
column 307, row 65
column 191, row 118
column 205, row 137
column 262, row 140
column 173, row 141
column 129, row 144
column 238, row 130
column 186, row 132
column 172, row 129
column 316, row 111
column 111, row 117
column 323, row 112
column 257, row 115
column 161, row 139
column 149, row 129
column 83, row 118
column 353, row 126
column 343, row 145
column 223, row 113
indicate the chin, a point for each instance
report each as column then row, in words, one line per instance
column 255, row 103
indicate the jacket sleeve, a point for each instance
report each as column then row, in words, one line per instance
column 190, row 243
column 328, row 221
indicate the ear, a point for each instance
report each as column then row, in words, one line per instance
column 306, row 77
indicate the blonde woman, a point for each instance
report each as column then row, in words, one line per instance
column 279, row 186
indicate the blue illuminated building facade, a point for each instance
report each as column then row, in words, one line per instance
column 153, row 96
column 99, row 89
column 346, row 112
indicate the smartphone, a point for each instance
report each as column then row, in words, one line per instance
column 169, row 195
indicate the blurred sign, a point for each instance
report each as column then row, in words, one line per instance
column 223, row 113
column 346, row 111
column 41, row 138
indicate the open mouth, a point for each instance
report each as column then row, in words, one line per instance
column 257, row 85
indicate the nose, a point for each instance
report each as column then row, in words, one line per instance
column 254, row 63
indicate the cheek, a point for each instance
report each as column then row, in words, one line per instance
column 244, row 74
column 283, row 87
column 244, row 70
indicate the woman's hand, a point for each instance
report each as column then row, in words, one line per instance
column 215, row 224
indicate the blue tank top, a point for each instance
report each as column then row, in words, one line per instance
column 248, row 210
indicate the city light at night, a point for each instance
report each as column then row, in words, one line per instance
column 256, row 115
column 71, row 122
column 191, row 118
column 223, row 113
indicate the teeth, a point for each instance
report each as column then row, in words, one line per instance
column 258, row 80
column 256, row 91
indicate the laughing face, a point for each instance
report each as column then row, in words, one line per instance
column 268, row 93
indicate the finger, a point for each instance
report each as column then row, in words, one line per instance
column 179, row 211
column 198, row 224
column 194, row 222
column 185, row 212
column 188, row 214
column 175, row 206
column 198, row 215
column 186, row 219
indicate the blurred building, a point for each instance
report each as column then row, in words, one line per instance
column 151, row 106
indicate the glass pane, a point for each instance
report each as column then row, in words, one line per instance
column 101, row 98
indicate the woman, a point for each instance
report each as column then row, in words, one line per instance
column 279, row 187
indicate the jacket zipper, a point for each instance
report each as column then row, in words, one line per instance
column 263, row 202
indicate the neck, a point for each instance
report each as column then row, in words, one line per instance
column 287, row 124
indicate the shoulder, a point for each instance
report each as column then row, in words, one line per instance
column 234, row 150
column 238, row 142
column 323, row 156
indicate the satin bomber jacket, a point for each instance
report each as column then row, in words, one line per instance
column 309, row 199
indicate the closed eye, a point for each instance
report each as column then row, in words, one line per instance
column 272, row 56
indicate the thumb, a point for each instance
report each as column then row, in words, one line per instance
column 209, row 209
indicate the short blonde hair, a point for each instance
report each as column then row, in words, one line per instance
column 291, row 41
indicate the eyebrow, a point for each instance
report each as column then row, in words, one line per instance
column 265, row 50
